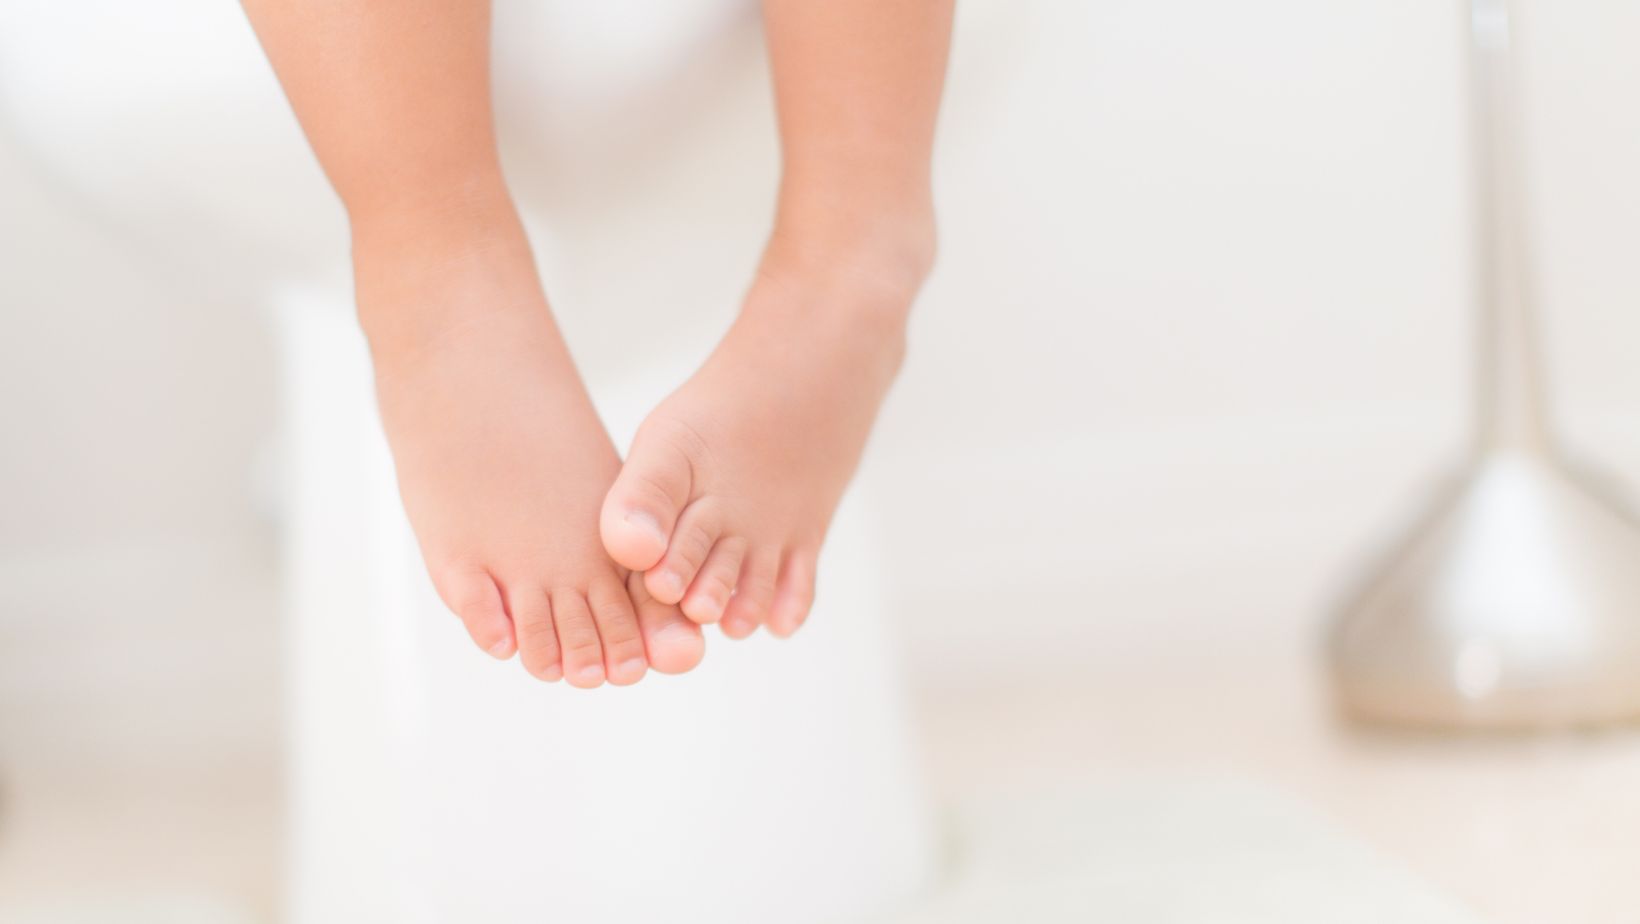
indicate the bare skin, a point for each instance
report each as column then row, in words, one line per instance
column 501, row 459
column 731, row 483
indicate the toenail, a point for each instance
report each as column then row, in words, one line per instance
column 672, row 582
column 648, row 524
column 502, row 648
column 552, row 674
column 632, row 667
column 591, row 674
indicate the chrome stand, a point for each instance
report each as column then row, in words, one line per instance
column 1515, row 603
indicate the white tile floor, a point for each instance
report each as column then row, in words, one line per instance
column 139, row 721
column 1167, row 849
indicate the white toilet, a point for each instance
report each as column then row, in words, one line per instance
column 429, row 783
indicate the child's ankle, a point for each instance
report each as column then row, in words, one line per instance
column 425, row 269
column 877, row 259
column 862, row 278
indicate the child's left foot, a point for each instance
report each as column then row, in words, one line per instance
column 731, row 482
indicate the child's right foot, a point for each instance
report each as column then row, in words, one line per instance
column 502, row 461
column 730, row 486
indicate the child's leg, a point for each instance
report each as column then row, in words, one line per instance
column 501, row 460
column 732, row 481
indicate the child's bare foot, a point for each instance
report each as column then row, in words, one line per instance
column 501, row 459
column 731, row 483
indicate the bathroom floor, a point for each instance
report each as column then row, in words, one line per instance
column 141, row 775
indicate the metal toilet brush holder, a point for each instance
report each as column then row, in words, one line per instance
column 1515, row 601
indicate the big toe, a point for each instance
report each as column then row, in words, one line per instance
column 642, row 507
column 673, row 643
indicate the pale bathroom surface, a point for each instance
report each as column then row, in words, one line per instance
column 1198, row 342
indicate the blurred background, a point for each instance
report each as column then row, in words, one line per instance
column 1200, row 339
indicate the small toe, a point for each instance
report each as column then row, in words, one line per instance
column 696, row 533
column 471, row 594
column 794, row 595
column 624, row 660
column 578, row 637
column 537, row 642
column 642, row 507
column 754, row 592
column 673, row 643
column 715, row 584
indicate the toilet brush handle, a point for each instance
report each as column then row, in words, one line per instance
column 1511, row 389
